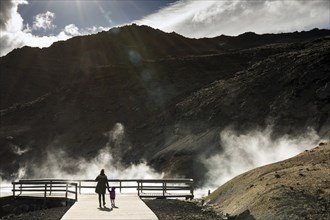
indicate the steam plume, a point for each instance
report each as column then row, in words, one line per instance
column 59, row 165
column 242, row 152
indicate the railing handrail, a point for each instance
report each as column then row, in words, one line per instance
column 110, row 180
column 43, row 182
column 166, row 180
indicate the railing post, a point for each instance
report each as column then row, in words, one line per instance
column 79, row 186
column 76, row 194
column 13, row 189
column 120, row 186
column 20, row 189
column 66, row 190
column 191, row 189
column 66, row 194
column 50, row 187
column 164, row 188
column 138, row 188
column 45, row 193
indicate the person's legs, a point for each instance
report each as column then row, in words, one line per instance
column 103, row 197
column 100, row 200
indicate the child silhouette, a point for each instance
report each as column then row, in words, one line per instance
column 113, row 196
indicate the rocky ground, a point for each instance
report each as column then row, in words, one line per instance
column 297, row 188
column 27, row 208
column 170, row 209
column 50, row 214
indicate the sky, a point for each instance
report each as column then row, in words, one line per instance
column 39, row 23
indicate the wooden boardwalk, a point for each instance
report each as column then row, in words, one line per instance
column 128, row 206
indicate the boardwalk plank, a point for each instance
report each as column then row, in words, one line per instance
column 129, row 207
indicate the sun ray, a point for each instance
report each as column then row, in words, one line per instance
column 80, row 10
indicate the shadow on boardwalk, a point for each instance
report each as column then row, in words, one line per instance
column 129, row 206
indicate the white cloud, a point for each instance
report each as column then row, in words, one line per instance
column 10, row 20
column 232, row 17
column 15, row 34
column 5, row 15
column 72, row 30
column 12, row 40
column 44, row 21
column 95, row 29
column 7, row 12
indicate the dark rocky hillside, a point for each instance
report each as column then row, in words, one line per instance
column 172, row 94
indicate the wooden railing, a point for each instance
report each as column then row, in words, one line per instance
column 165, row 188
column 46, row 187
column 146, row 187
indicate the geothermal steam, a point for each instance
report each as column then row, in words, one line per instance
column 240, row 153
column 243, row 152
column 58, row 162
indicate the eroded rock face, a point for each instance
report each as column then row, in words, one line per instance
column 164, row 89
column 290, row 189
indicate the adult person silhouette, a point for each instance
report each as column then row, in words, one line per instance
column 102, row 185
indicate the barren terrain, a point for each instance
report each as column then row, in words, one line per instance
column 297, row 188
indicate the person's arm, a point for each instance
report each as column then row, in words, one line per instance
column 107, row 183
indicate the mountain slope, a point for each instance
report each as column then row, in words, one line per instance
column 172, row 95
column 293, row 84
column 289, row 90
column 297, row 188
